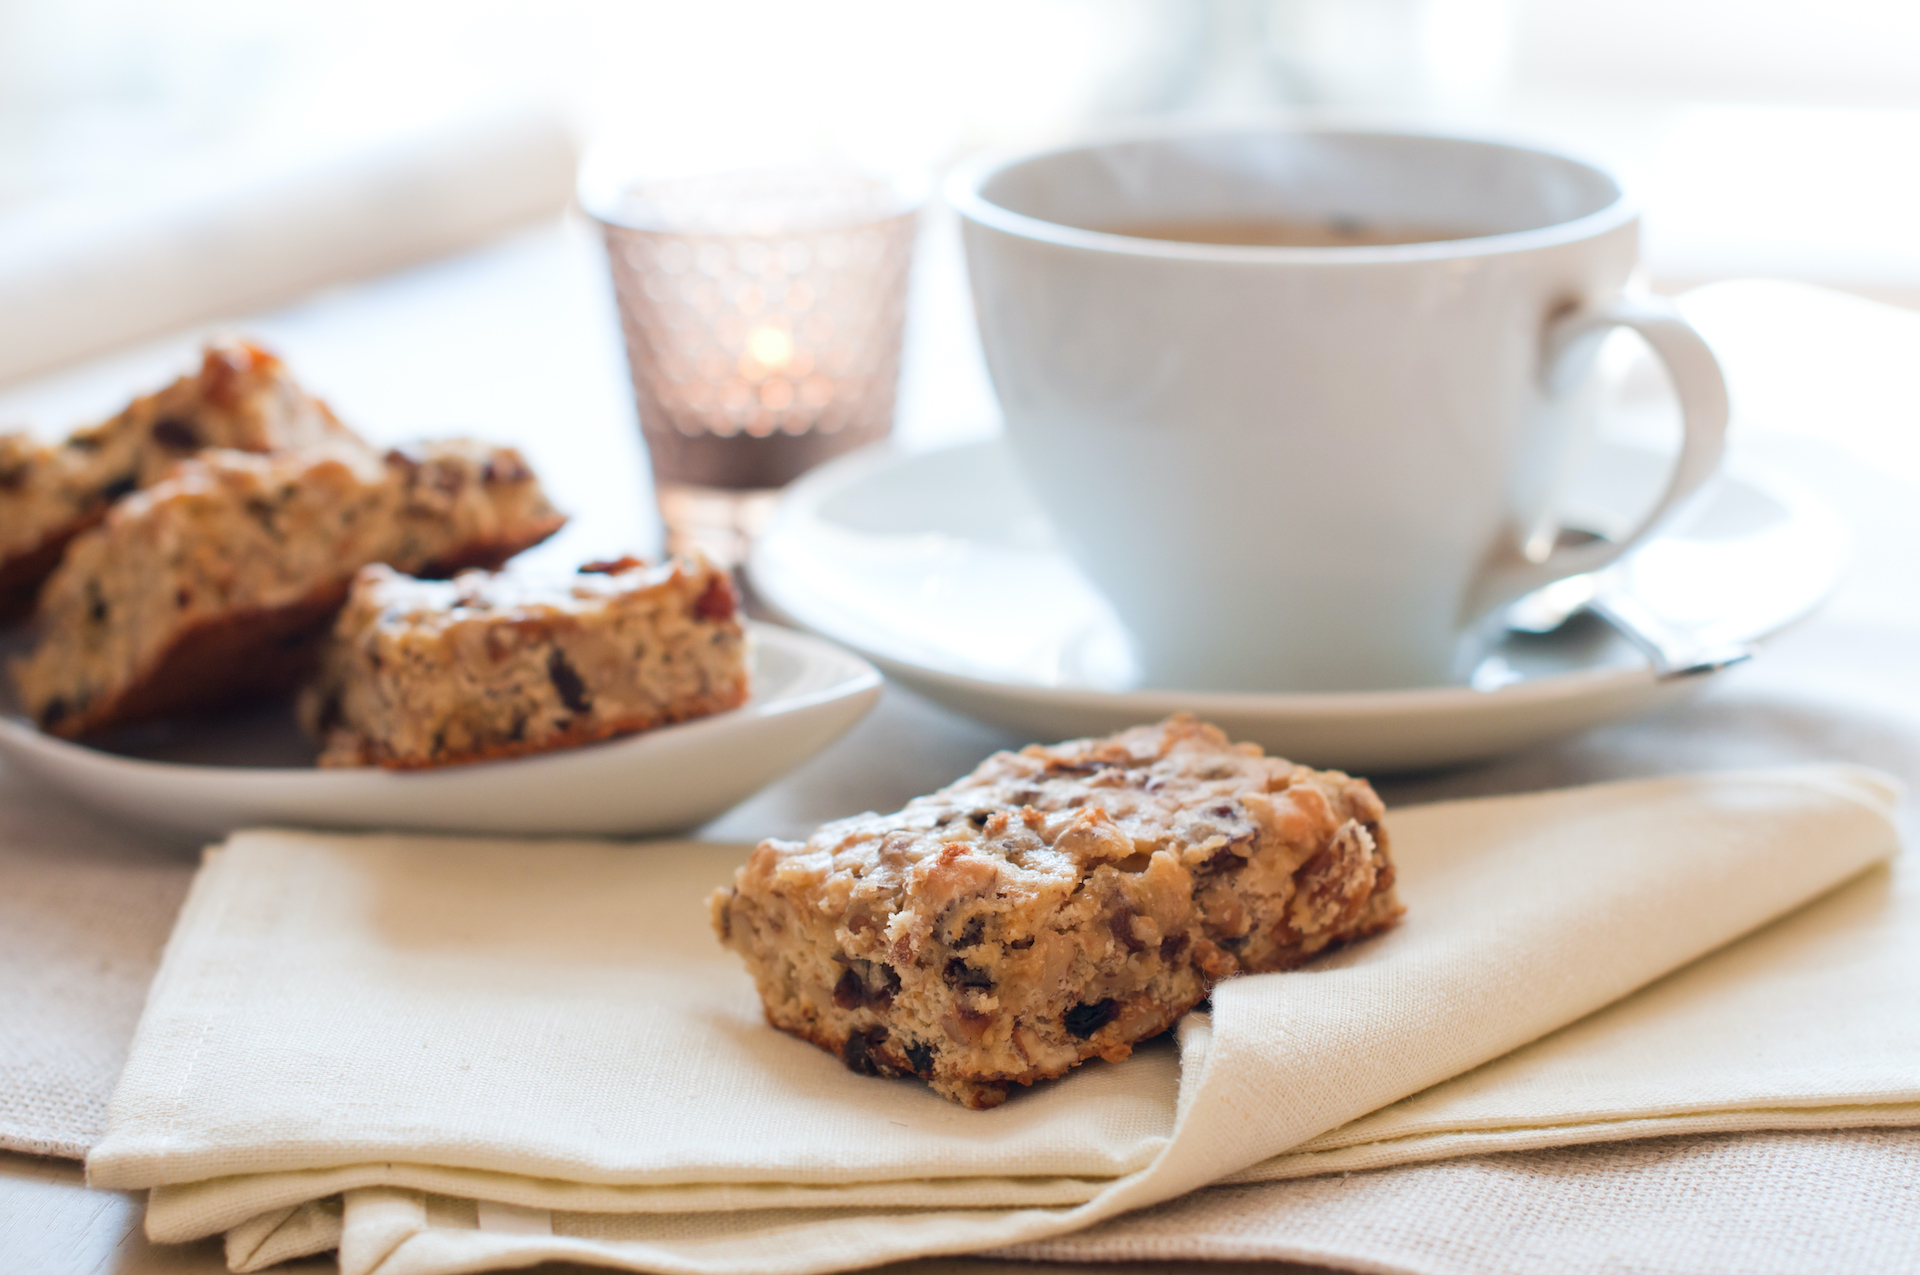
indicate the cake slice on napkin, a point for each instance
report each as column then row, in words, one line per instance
column 241, row 397
column 1056, row 905
column 433, row 1031
column 218, row 582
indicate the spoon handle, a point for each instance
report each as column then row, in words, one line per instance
column 1674, row 653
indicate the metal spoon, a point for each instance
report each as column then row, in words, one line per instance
column 1673, row 652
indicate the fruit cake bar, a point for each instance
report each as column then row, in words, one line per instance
column 1056, row 905
column 435, row 673
column 241, row 398
column 219, row 582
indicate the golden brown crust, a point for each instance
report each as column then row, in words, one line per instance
column 1059, row 904
column 240, row 398
column 215, row 584
column 23, row 574
column 255, row 651
column 572, row 737
column 422, row 674
column 1140, row 1018
column 224, row 660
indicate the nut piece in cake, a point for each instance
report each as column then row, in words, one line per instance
column 434, row 673
column 219, row 582
column 1056, row 905
column 241, row 398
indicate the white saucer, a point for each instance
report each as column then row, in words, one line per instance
column 208, row 778
column 938, row 567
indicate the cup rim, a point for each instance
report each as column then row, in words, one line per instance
column 964, row 195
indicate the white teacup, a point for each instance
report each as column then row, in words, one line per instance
column 1311, row 467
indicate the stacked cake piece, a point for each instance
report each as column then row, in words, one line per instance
column 241, row 398
column 218, row 583
column 197, row 549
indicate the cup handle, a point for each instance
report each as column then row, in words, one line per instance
column 1697, row 381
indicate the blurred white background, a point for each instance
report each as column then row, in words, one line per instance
column 336, row 178
column 1779, row 137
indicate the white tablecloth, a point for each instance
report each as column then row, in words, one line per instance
column 85, row 906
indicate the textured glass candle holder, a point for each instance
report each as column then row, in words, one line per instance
column 763, row 313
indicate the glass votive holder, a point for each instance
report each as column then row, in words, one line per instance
column 763, row 312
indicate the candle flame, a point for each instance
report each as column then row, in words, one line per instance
column 770, row 347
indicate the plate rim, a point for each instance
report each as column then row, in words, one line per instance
column 858, row 675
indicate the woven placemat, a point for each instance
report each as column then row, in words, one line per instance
column 85, row 908
column 1758, row 1203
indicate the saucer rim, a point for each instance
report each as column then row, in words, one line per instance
column 1579, row 683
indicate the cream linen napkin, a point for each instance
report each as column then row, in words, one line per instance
column 1813, row 1023
column 502, row 1052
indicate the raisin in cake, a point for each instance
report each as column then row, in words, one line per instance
column 434, row 673
column 1057, row 904
column 241, row 398
column 219, row 582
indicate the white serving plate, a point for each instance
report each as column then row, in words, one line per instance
column 939, row 568
column 206, row 779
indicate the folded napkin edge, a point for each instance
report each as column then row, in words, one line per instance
column 1444, row 1144
column 185, row 1212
